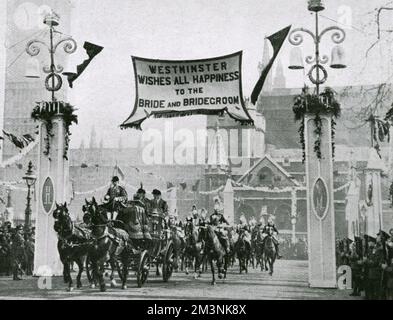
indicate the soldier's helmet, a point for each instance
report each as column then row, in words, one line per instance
column 141, row 191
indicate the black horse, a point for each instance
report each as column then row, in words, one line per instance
column 110, row 244
column 269, row 251
column 258, row 248
column 74, row 243
column 214, row 251
column 193, row 252
column 243, row 251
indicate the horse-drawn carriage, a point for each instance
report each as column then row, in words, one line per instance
column 151, row 243
column 136, row 241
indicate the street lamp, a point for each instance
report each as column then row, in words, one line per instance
column 317, row 61
column 317, row 113
column 53, row 81
column 30, row 179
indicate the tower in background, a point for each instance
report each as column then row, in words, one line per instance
column 93, row 138
column 279, row 81
column 24, row 23
column 268, row 87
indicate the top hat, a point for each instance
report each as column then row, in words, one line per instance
column 156, row 192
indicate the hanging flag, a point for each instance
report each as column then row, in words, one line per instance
column 92, row 51
column 176, row 88
column 183, row 186
column 137, row 169
column 118, row 172
column 15, row 140
column 169, row 185
column 27, row 138
column 195, row 187
column 20, row 143
column 277, row 40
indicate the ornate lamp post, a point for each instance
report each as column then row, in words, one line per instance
column 53, row 166
column 316, row 113
column 30, row 179
column 317, row 61
column 53, row 81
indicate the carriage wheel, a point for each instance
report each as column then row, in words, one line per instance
column 167, row 267
column 143, row 268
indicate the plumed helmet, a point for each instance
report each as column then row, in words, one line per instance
column 141, row 190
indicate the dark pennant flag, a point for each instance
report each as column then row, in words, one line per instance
column 169, row 185
column 195, row 187
column 15, row 140
column 92, row 51
column 277, row 40
column 183, row 186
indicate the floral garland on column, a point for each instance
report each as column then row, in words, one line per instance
column 46, row 115
column 308, row 103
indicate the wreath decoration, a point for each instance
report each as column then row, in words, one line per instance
column 308, row 103
column 67, row 112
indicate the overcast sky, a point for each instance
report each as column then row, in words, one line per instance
column 194, row 29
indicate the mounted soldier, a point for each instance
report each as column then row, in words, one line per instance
column 203, row 220
column 243, row 228
column 195, row 215
column 270, row 229
column 115, row 199
column 218, row 220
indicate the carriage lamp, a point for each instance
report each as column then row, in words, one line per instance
column 317, row 73
column 316, row 5
column 30, row 179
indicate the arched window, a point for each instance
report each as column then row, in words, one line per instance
column 247, row 211
column 283, row 217
column 265, row 176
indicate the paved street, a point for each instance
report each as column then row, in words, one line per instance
column 288, row 282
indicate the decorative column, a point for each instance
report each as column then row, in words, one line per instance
column 53, row 187
column 229, row 202
column 352, row 208
column 173, row 200
column 9, row 210
column 374, row 214
column 54, row 117
column 320, row 206
column 293, row 214
column 317, row 113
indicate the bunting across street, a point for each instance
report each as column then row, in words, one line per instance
column 175, row 88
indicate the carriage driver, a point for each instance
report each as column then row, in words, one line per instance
column 115, row 199
column 270, row 228
column 158, row 204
